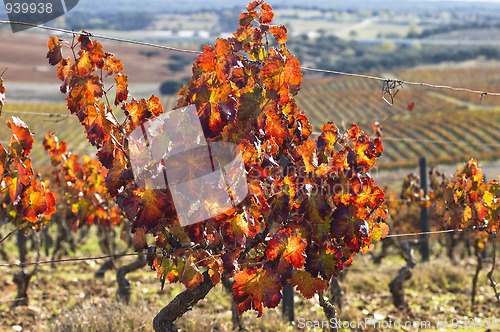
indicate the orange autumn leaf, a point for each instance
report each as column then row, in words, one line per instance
column 282, row 73
column 35, row 202
column 266, row 14
column 289, row 246
column 55, row 50
column 121, row 88
column 274, row 126
column 290, row 225
column 21, row 141
column 308, row 153
column 256, row 288
column 154, row 106
column 96, row 54
column 84, row 65
column 189, row 274
column 113, row 65
column 147, row 207
column 279, row 32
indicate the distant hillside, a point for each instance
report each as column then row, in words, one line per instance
column 194, row 5
column 444, row 126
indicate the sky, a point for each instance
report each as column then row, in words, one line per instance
column 189, row 5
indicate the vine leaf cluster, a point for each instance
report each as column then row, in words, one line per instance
column 312, row 205
column 79, row 186
column 25, row 200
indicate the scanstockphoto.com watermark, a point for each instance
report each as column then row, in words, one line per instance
column 35, row 11
column 370, row 323
column 328, row 185
column 361, row 324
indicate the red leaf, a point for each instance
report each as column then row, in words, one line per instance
column 324, row 259
column 50, row 200
column 411, row 105
column 288, row 246
column 2, row 95
column 307, row 285
column 256, row 288
column 239, row 228
column 139, row 239
column 21, row 140
column 147, row 207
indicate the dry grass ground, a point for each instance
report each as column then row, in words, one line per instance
column 68, row 298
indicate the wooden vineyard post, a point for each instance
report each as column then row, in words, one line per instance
column 424, row 212
column 288, row 309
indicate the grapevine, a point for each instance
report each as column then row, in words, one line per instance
column 462, row 201
column 25, row 200
column 312, row 205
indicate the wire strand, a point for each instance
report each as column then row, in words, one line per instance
column 434, row 141
column 13, row 231
column 423, row 84
column 65, row 260
column 386, row 81
column 424, row 140
column 78, row 259
column 85, row 33
column 37, row 113
column 435, row 232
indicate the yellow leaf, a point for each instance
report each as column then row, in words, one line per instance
column 488, row 198
column 467, row 213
